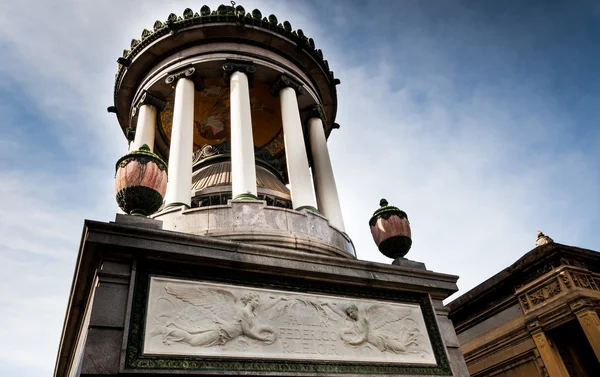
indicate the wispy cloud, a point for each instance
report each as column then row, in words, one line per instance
column 473, row 120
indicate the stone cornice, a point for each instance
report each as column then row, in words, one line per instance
column 188, row 72
column 223, row 14
column 231, row 66
column 286, row 82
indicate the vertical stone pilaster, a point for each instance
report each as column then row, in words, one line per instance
column 550, row 356
column 590, row 323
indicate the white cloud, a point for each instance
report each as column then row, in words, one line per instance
column 477, row 172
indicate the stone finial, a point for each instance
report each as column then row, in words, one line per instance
column 542, row 239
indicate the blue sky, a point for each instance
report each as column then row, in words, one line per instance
column 477, row 118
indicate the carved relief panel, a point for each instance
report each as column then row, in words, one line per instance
column 190, row 318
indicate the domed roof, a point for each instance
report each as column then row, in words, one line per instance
column 219, row 174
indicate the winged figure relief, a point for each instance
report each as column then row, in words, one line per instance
column 386, row 328
column 215, row 317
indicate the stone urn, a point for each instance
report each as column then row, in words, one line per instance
column 140, row 182
column 391, row 230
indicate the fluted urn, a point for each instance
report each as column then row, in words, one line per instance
column 140, row 182
column 391, row 230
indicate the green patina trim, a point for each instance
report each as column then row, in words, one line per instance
column 143, row 156
column 224, row 13
column 386, row 211
column 136, row 360
column 308, row 208
column 247, row 196
column 176, row 204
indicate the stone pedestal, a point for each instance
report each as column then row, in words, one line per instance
column 147, row 301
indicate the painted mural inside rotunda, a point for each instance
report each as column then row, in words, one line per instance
column 212, row 116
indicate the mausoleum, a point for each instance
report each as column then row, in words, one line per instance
column 232, row 255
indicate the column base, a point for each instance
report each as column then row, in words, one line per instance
column 247, row 196
column 176, row 204
column 308, row 208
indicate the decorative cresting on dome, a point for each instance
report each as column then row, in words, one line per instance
column 391, row 230
column 224, row 13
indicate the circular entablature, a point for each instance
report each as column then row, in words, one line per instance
column 281, row 45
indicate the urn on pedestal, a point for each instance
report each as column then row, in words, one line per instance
column 140, row 182
column 391, row 230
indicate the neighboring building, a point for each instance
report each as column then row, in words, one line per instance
column 237, row 273
column 538, row 317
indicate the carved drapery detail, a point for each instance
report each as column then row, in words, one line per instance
column 286, row 82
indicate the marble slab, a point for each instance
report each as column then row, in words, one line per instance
column 192, row 318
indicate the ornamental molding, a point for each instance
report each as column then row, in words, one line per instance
column 285, row 81
column 547, row 268
column 559, row 283
column 188, row 72
column 240, row 284
column 231, row 66
column 224, row 13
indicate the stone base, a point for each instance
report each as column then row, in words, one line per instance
column 252, row 221
column 138, row 221
column 403, row 262
column 141, row 298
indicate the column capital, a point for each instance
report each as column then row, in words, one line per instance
column 317, row 111
column 148, row 98
column 232, row 66
column 188, row 72
column 286, row 82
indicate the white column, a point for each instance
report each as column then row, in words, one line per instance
column 295, row 151
column 243, row 169
column 325, row 188
column 182, row 145
column 145, row 128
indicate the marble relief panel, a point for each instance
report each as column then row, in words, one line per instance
column 191, row 318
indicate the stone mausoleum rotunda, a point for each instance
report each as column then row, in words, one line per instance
column 237, row 113
column 233, row 257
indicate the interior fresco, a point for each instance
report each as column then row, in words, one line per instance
column 212, row 116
